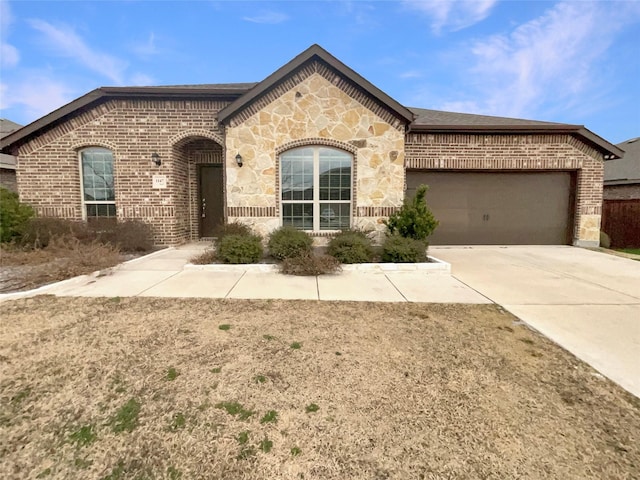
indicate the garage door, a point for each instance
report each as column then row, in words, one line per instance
column 497, row 208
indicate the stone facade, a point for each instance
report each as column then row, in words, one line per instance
column 315, row 112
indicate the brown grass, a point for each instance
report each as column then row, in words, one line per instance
column 64, row 257
column 205, row 258
column 402, row 391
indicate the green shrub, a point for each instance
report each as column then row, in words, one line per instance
column 308, row 264
column 240, row 249
column 13, row 215
column 287, row 242
column 414, row 219
column 351, row 246
column 397, row 249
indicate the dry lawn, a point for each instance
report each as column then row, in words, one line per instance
column 154, row 389
column 24, row 269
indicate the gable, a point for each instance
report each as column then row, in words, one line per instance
column 316, row 60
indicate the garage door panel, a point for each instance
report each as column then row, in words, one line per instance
column 496, row 208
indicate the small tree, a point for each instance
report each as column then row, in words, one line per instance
column 414, row 219
column 13, row 215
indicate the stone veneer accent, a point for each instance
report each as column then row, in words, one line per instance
column 520, row 152
column 314, row 111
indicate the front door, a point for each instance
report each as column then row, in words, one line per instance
column 211, row 199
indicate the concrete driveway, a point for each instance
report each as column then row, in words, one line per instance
column 586, row 301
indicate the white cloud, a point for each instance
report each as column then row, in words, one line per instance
column 9, row 55
column 452, row 15
column 410, row 74
column 268, row 17
column 65, row 42
column 554, row 59
column 147, row 48
column 36, row 96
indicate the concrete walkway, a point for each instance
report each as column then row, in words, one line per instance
column 586, row 301
column 163, row 274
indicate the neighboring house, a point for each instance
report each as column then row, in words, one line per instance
column 621, row 206
column 8, row 162
column 314, row 145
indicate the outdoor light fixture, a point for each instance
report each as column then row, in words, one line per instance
column 239, row 160
column 155, row 158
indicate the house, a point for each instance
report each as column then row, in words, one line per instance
column 621, row 205
column 313, row 145
column 8, row 162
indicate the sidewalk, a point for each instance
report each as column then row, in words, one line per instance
column 163, row 274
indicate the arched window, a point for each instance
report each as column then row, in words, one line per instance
column 98, row 192
column 315, row 186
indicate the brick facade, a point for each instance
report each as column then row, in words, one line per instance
column 49, row 172
column 316, row 103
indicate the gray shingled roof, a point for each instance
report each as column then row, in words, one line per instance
column 440, row 118
column 7, row 126
column 7, row 162
column 214, row 86
column 626, row 170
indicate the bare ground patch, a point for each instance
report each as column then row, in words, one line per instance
column 24, row 269
column 169, row 388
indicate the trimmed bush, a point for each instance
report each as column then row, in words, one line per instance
column 308, row 264
column 14, row 215
column 414, row 219
column 397, row 249
column 287, row 242
column 351, row 246
column 240, row 249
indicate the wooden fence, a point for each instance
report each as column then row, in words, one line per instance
column 621, row 221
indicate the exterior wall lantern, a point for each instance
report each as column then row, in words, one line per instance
column 239, row 160
column 155, row 158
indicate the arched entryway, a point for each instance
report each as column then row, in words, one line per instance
column 200, row 201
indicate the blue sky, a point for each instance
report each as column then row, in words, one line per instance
column 574, row 62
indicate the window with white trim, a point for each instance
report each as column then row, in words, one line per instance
column 316, row 188
column 98, row 192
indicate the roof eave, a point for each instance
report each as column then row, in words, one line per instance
column 314, row 51
column 20, row 136
column 607, row 149
column 43, row 122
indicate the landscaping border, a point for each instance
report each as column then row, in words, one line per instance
column 434, row 265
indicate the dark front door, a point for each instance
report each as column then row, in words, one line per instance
column 211, row 199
